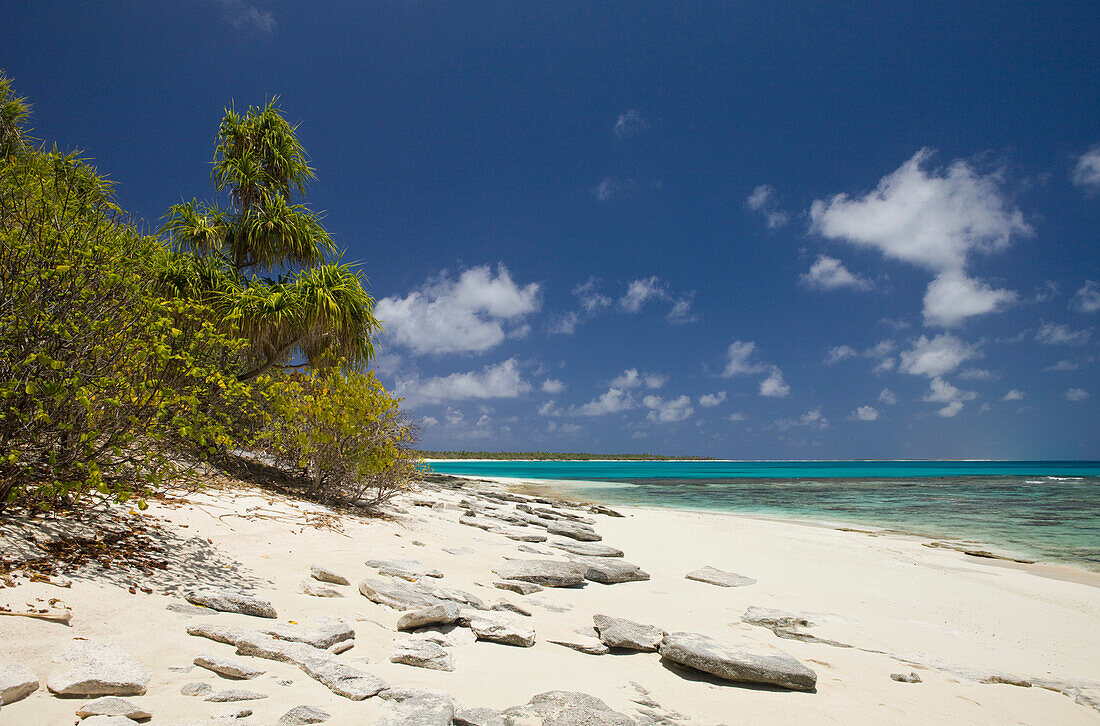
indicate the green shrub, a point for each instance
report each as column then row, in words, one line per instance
column 344, row 432
column 102, row 381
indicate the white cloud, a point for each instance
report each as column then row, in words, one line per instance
column 565, row 428
column 839, row 353
column 245, row 16
column 737, row 417
column 630, row 378
column 812, row 419
column 552, row 386
column 566, row 324
column 453, row 416
column 828, row 273
column 429, row 421
column 1014, row 395
column 614, row 400
column 932, row 218
column 940, row 391
column 638, row 292
column 1087, row 299
column 466, row 315
column 670, row 411
column 887, row 397
column 630, row 124
column 737, row 359
column 762, row 200
column 1086, row 173
column 1062, row 366
column 709, row 400
column 611, row 187
column 774, row 386
column 681, row 310
column 865, row 413
column 978, row 374
column 952, row 297
column 942, row 354
column 1056, row 334
column 590, row 297
column 502, row 380
column 549, row 409
column 1076, row 394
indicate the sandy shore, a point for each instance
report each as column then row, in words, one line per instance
column 898, row 605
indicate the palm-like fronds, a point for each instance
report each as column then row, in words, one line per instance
column 14, row 110
column 277, row 233
column 196, row 227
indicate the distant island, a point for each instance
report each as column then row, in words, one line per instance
column 555, row 456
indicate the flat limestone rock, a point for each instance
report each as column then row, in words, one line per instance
column 99, row 669
column 108, row 721
column 442, row 614
column 479, row 717
column 422, row 710
column 574, row 530
column 714, row 576
column 589, row 646
column 521, row 535
column 609, row 570
column 422, row 654
column 321, row 633
column 227, row 667
column 302, row 716
column 196, row 688
column 234, row 695
column 324, row 574
column 732, row 663
column 227, row 634
column 411, row 570
column 320, row 665
column 112, row 706
column 231, row 601
column 312, row 588
column 186, row 608
column 565, row 708
column 448, row 636
column 16, row 682
column 517, row 586
column 396, row 594
column 587, row 549
column 504, row 605
column 627, row 634
column 499, row 627
column 549, row 573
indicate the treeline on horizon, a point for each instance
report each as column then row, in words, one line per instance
column 129, row 359
column 553, row 456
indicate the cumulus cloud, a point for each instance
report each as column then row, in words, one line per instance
column 940, row 391
column 879, row 351
column 936, row 356
column 630, row 378
column 709, row 400
column 246, row 16
column 865, row 413
column 737, row 359
column 615, row 400
column 1076, row 394
column 952, row 297
column 839, row 353
column 1087, row 299
column 470, row 314
column 549, row 408
column 1063, row 366
column 828, row 273
column 1057, row 334
column 735, row 417
column 590, row 297
column 667, row 411
column 610, row 187
column 429, row 421
column 1086, row 173
column 638, row 292
column 502, row 380
column 630, row 124
column 1014, row 395
column 978, row 374
column 552, row 386
column 935, row 219
column 932, row 218
column 763, row 201
column 681, row 310
column 566, row 324
column 812, row 418
column 774, row 386
column 887, row 397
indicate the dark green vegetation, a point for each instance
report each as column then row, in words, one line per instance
column 125, row 359
column 552, row 456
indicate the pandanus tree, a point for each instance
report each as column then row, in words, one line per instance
column 264, row 262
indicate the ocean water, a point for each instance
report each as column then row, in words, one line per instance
column 1045, row 510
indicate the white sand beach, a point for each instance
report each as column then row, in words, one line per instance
column 874, row 605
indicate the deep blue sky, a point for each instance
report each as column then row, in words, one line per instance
column 484, row 161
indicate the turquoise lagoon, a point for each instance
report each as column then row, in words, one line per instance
column 1048, row 510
